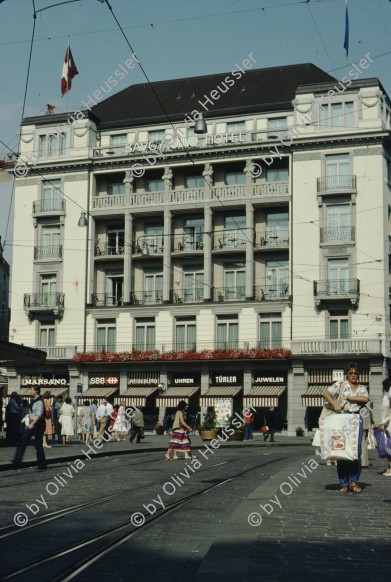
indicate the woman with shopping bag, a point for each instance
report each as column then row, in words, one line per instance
column 349, row 397
column 382, row 431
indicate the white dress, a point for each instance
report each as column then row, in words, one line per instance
column 66, row 415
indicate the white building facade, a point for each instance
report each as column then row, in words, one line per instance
column 246, row 265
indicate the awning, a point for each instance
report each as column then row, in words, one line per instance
column 98, row 392
column 313, row 396
column 217, row 392
column 263, row 396
column 54, row 392
column 136, row 395
column 174, row 394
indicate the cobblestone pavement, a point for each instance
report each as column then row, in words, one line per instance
column 307, row 531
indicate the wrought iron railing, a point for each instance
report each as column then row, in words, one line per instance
column 43, row 300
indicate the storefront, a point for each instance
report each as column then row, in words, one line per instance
column 101, row 386
column 181, row 387
column 56, row 384
column 141, row 391
column 268, row 390
column 224, row 396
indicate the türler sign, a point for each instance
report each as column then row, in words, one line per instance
column 225, row 380
column 36, row 381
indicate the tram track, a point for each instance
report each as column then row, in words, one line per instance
column 121, row 532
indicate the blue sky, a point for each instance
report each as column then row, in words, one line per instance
column 172, row 39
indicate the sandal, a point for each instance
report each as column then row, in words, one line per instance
column 355, row 487
column 344, row 489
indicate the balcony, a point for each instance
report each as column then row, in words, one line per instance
column 272, row 238
column 148, row 245
column 188, row 243
column 226, row 294
column 59, row 352
column 44, row 303
column 337, row 289
column 271, row 292
column 106, row 300
column 331, row 184
column 187, row 295
column 337, row 347
column 154, row 297
column 107, row 250
column 48, row 252
column 56, row 206
column 234, row 239
column 108, row 202
column 271, row 189
column 337, row 235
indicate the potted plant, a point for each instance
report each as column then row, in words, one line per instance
column 299, row 431
column 158, row 428
column 208, row 427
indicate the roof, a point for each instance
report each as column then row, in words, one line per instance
column 270, row 89
column 20, row 355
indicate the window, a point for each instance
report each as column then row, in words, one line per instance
column 114, row 287
column 194, row 182
column 153, row 286
column 47, row 335
column 339, row 324
column 50, row 242
column 227, row 331
column 236, row 126
column 338, row 276
column 234, row 282
column 276, row 126
column 270, row 331
column 277, row 279
column 105, row 335
column 337, row 115
column 145, row 334
column 116, row 189
column 52, row 144
column 185, row 334
column 276, row 228
column 193, row 284
column 235, row 232
column 48, row 290
column 157, row 136
column 154, row 185
column 194, row 233
column 233, row 178
column 338, row 223
column 51, row 196
column 277, row 175
column 115, row 241
column 119, row 142
column 154, row 238
column 337, row 171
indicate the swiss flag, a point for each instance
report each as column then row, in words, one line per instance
column 69, row 70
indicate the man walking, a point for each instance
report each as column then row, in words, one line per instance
column 137, row 425
column 101, row 417
column 36, row 428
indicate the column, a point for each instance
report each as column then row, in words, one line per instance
column 167, row 256
column 208, row 238
column 128, row 257
column 167, row 179
column 250, row 239
column 208, row 177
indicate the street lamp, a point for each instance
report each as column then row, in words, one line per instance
column 83, row 219
column 200, row 126
column 144, row 248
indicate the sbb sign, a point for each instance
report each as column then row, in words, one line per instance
column 104, row 381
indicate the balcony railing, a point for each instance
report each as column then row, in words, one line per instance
column 187, row 295
column 271, row 189
column 59, row 352
column 107, row 250
column 146, row 297
column 340, row 182
column 271, row 292
column 48, row 252
column 103, row 202
column 331, row 289
column 42, row 206
column 273, row 238
column 42, row 301
column 224, row 294
column 188, row 243
column 338, row 234
column 106, row 300
column 230, row 239
column 188, row 195
column 336, row 347
column 197, row 346
column 149, row 245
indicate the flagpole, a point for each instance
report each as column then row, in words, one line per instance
column 346, row 41
column 66, row 103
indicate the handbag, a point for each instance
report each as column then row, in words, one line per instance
column 383, row 440
column 316, row 439
column 264, row 429
column 339, row 436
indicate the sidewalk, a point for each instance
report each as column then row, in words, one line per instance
column 306, row 530
column 151, row 443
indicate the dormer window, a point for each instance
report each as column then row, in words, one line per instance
column 52, row 144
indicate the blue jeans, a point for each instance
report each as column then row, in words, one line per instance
column 351, row 470
column 248, row 431
column 37, row 432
